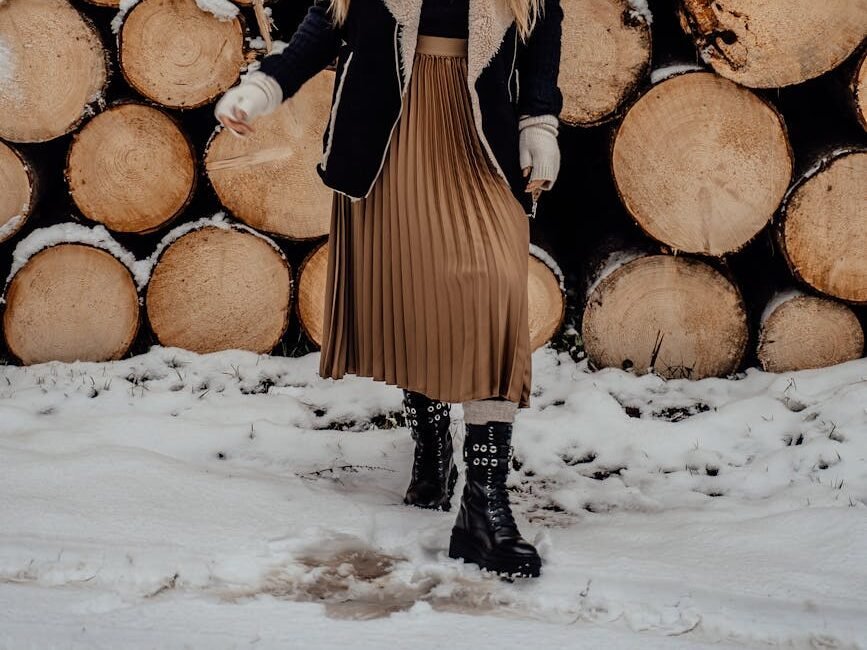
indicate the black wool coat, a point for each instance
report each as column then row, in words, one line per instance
column 375, row 47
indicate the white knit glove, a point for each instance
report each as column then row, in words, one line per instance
column 538, row 148
column 258, row 94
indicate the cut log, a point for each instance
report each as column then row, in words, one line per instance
column 823, row 227
column 800, row 332
column 775, row 43
column 17, row 191
column 859, row 90
column 268, row 179
column 312, row 277
column 179, row 55
column 702, row 164
column 605, row 55
column 53, row 69
column 131, row 168
column 220, row 289
column 676, row 316
column 546, row 306
column 71, row 302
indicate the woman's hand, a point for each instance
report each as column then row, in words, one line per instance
column 258, row 94
column 539, row 152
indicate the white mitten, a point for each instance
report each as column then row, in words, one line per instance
column 538, row 148
column 258, row 94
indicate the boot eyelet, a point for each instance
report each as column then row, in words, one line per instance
column 484, row 461
column 475, row 461
column 494, row 462
column 493, row 449
column 475, row 447
column 484, row 447
column 430, row 409
column 437, row 418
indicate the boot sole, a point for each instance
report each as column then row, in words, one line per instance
column 462, row 547
column 446, row 504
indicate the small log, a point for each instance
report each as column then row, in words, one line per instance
column 676, row 316
column 312, row 277
column 220, row 289
column 823, row 227
column 546, row 305
column 17, row 191
column 702, row 164
column 55, row 69
column 859, row 90
column 178, row 55
column 774, row 43
column 799, row 332
column 268, row 179
column 131, row 168
column 71, row 302
column 605, row 55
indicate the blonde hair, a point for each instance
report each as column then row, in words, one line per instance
column 524, row 11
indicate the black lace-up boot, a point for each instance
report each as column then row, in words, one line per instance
column 434, row 473
column 485, row 532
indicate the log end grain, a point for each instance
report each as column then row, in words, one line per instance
column 131, row 168
column 214, row 289
column 311, row 293
column 702, row 164
column 16, row 191
column 809, row 332
column 268, row 179
column 674, row 315
column 71, row 302
column 546, row 303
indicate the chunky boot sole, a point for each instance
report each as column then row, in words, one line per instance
column 464, row 547
column 446, row 503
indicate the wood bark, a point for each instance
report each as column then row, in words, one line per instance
column 131, row 168
column 268, row 179
column 702, row 164
column 823, row 226
column 220, row 289
column 71, row 302
column 605, row 55
column 178, row 55
column 55, row 69
column 774, row 43
column 676, row 316
column 799, row 332
column 859, row 90
column 17, row 191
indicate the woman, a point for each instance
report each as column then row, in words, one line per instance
column 442, row 133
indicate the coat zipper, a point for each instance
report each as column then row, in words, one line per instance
column 327, row 153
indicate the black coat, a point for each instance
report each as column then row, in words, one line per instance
column 375, row 48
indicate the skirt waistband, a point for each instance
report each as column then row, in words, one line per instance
column 441, row 46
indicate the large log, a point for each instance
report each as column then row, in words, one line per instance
column 268, row 179
column 71, row 302
column 605, row 55
column 775, row 43
column 676, row 316
column 219, row 289
column 800, row 332
column 859, row 90
column 131, row 168
column 702, row 164
column 53, row 69
column 17, row 191
column 178, row 55
column 823, row 226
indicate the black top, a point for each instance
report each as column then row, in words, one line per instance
column 449, row 18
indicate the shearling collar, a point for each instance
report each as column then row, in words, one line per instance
column 489, row 20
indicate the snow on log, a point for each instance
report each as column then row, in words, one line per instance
column 131, row 168
column 179, row 55
column 674, row 315
column 859, row 90
column 799, row 332
column 69, row 302
column 312, row 278
column 17, row 191
column 774, row 43
column 219, row 288
column 823, row 226
column 268, row 179
column 53, row 69
column 702, row 164
column 605, row 55
column 546, row 305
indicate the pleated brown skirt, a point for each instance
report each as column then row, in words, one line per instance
column 427, row 276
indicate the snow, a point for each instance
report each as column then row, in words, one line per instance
column 777, row 300
column 258, row 43
column 661, row 74
column 225, row 500
column 124, row 8
column 640, row 9
column 69, row 233
column 614, row 261
column 542, row 255
column 11, row 226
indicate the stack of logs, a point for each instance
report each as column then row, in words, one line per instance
column 704, row 221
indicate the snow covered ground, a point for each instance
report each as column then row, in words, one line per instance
column 233, row 500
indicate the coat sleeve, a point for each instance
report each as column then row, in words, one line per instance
column 312, row 47
column 539, row 64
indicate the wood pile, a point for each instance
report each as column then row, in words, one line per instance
column 710, row 214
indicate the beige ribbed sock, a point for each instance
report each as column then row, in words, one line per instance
column 482, row 411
